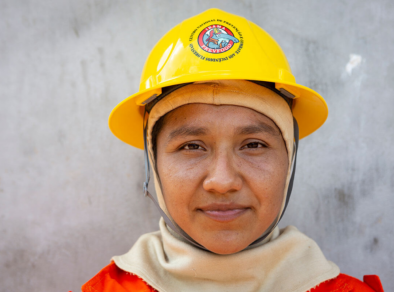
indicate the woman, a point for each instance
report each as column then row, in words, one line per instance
column 219, row 115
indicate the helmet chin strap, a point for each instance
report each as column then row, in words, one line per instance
column 179, row 230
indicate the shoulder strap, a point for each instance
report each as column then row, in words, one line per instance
column 373, row 281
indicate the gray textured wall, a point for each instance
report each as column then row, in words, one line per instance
column 70, row 192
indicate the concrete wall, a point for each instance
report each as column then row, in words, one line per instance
column 70, row 192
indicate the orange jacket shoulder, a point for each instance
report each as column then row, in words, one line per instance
column 113, row 279
column 345, row 283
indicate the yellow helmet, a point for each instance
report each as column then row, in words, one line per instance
column 210, row 46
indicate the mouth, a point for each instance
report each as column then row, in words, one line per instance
column 223, row 212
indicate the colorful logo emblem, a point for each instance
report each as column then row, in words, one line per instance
column 216, row 39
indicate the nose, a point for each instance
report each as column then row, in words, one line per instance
column 223, row 176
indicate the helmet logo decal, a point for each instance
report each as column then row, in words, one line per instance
column 216, row 39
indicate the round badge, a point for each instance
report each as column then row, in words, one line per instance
column 216, row 39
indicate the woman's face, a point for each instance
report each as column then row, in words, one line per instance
column 223, row 171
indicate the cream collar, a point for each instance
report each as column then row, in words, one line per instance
column 290, row 261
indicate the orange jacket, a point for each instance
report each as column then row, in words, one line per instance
column 113, row 279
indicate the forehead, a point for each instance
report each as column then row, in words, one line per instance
column 227, row 117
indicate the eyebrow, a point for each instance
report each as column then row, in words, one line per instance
column 187, row 131
column 257, row 128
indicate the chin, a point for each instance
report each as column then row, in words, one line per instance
column 225, row 244
column 223, row 249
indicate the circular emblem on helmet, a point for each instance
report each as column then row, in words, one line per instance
column 216, row 39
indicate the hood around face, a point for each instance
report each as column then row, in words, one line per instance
column 226, row 92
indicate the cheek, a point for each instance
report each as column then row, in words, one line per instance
column 180, row 180
column 266, row 178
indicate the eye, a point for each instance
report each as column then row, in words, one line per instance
column 254, row 145
column 192, row 146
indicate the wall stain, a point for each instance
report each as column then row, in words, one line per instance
column 76, row 32
column 346, row 200
column 85, row 76
column 373, row 245
column 102, row 58
column 338, row 208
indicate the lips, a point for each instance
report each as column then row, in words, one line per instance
column 223, row 212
